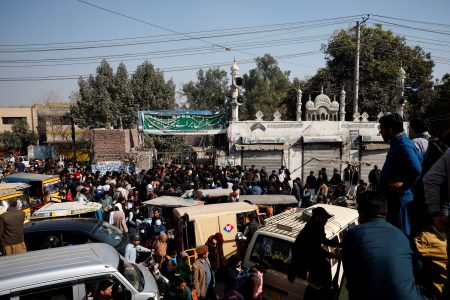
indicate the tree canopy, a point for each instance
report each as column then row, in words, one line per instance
column 115, row 98
column 266, row 88
column 209, row 91
column 19, row 138
column 382, row 53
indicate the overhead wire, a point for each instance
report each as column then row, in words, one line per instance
column 219, row 32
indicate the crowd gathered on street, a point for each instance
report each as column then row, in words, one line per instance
column 403, row 209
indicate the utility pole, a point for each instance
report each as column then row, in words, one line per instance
column 74, row 144
column 356, row 73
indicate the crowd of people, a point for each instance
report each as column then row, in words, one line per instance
column 409, row 195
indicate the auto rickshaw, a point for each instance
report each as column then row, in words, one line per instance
column 43, row 188
column 195, row 224
column 18, row 191
column 67, row 209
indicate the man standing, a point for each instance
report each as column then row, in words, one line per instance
column 311, row 181
column 11, row 230
column 419, row 135
column 202, row 275
column 374, row 178
column 309, row 256
column 118, row 219
column 400, row 171
column 377, row 256
column 251, row 227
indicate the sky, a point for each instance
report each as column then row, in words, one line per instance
column 46, row 45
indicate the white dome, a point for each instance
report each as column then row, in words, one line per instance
column 322, row 99
column 334, row 104
column 309, row 104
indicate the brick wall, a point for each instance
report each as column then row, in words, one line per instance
column 110, row 143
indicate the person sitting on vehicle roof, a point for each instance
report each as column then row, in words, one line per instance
column 132, row 249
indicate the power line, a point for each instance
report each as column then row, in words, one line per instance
column 234, row 30
column 155, row 41
column 412, row 21
column 153, row 55
column 148, row 23
column 412, row 27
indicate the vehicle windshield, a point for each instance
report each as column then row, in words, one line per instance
column 22, row 202
column 132, row 273
column 108, row 234
column 53, row 187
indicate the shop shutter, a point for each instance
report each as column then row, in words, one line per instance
column 320, row 151
column 272, row 160
column 376, row 157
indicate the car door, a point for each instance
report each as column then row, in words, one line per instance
column 278, row 253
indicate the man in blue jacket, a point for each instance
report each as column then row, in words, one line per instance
column 377, row 257
column 400, row 172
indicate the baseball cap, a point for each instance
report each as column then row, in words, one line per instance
column 321, row 212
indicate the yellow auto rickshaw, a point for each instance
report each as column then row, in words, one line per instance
column 18, row 191
column 195, row 224
column 43, row 188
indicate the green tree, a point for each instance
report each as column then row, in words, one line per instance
column 96, row 107
column 123, row 96
column 266, row 88
column 209, row 91
column 19, row 138
column 382, row 53
column 438, row 114
column 150, row 90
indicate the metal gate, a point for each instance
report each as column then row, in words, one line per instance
column 313, row 153
column 204, row 157
column 272, row 160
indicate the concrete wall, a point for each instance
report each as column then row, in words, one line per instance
column 289, row 136
column 29, row 113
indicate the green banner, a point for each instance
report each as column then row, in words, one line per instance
column 182, row 123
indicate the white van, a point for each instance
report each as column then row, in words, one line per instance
column 274, row 242
column 73, row 273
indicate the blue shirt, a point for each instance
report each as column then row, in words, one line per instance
column 208, row 273
column 404, row 164
column 377, row 260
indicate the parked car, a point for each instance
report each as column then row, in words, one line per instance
column 59, row 232
column 79, row 272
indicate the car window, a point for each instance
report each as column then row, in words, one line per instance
column 42, row 240
column 105, row 287
column 106, row 233
column 276, row 252
column 132, row 273
column 73, row 238
column 48, row 293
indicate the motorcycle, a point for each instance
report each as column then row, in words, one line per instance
column 153, row 266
